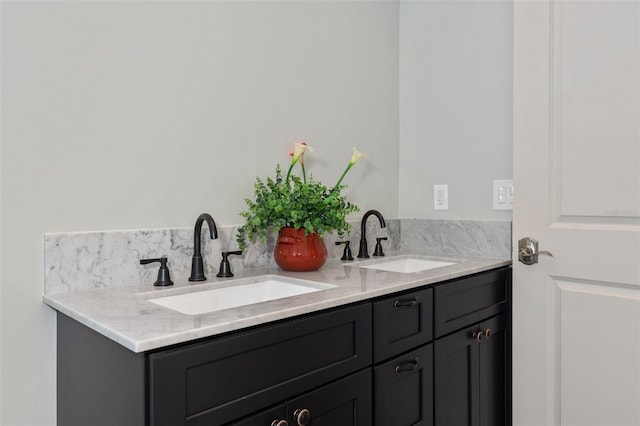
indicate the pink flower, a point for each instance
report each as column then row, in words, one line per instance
column 299, row 149
column 297, row 154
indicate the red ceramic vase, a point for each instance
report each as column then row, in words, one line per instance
column 298, row 252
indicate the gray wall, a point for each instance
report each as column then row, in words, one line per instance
column 120, row 115
column 455, row 106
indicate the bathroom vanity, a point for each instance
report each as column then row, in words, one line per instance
column 380, row 348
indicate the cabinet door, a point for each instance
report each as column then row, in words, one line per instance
column 471, row 376
column 404, row 389
column 495, row 373
column 346, row 402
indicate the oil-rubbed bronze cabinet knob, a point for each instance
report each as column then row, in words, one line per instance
column 303, row 417
column 479, row 333
column 279, row 423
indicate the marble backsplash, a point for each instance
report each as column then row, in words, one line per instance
column 465, row 237
column 85, row 260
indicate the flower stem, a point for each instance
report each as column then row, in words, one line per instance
column 343, row 175
column 289, row 171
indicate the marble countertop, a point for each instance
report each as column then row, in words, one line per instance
column 125, row 315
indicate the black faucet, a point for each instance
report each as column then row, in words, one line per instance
column 363, row 253
column 225, row 266
column 164, row 277
column 197, row 268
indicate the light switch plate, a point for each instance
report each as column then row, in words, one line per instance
column 503, row 194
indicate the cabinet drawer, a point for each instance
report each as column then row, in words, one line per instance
column 401, row 323
column 468, row 300
column 404, row 389
column 265, row 418
column 346, row 402
column 217, row 381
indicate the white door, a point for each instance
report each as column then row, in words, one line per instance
column 576, row 334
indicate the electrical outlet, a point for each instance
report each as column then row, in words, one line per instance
column 440, row 197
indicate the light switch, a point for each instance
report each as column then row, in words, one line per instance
column 503, row 194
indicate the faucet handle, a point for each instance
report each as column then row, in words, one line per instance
column 378, row 250
column 346, row 254
column 225, row 267
column 164, row 278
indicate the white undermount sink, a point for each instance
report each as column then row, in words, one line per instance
column 204, row 301
column 407, row 265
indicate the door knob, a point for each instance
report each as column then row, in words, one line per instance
column 528, row 251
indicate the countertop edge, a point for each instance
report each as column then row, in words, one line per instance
column 67, row 305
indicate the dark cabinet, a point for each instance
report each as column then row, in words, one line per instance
column 217, row 381
column 471, row 368
column 346, row 402
column 273, row 417
column 404, row 389
column 436, row 355
column 464, row 301
column 463, row 377
column 472, row 350
column 319, row 362
column 402, row 322
column 403, row 385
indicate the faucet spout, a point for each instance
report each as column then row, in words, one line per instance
column 363, row 253
column 197, row 266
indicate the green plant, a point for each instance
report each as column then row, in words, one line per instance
column 296, row 202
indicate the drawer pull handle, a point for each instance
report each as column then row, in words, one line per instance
column 487, row 333
column 279, row 423
column 406, row 303
column 407, row 366
column 302, row 417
